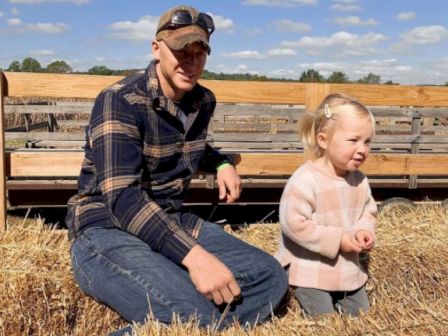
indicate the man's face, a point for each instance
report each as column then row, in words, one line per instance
column 179, row 70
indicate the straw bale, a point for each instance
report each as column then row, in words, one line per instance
column 407, row 288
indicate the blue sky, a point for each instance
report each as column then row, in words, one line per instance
column 405, row 41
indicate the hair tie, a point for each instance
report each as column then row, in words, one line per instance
column 327, row 111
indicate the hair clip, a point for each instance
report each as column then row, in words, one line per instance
column 327, row 111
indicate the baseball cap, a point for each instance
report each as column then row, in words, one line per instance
column 182, row 25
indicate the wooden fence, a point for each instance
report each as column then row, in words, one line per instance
column 413, row 142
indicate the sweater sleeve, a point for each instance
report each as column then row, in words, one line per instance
column 367, row 220
column 296, row 210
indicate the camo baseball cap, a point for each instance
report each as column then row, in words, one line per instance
column 182, row 25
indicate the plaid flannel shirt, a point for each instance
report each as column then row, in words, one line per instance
column 139, row 160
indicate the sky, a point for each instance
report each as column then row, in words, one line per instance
column 405, row 41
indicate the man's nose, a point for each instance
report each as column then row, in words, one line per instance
column 191, row 59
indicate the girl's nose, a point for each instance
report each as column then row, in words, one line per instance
column 364, row 148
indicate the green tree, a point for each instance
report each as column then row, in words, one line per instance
column 100, row 70
column 338, row 77
column 389, row 82
column 14, row 66
column 446, row 83
column 59, row 67
column 371, row 78
column 29, row 64
column 311, row 76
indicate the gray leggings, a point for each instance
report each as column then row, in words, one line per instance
column 317, row 302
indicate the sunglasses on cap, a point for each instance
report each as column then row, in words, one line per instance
column 182, row 17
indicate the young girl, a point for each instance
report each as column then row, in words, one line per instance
column 327, row 213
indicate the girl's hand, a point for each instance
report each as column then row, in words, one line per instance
column 365, row 239
column 349, row 244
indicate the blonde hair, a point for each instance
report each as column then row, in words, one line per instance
column 330, row 109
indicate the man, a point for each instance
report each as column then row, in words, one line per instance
column 134, row 248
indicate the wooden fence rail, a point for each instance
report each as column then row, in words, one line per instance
column 411, row 127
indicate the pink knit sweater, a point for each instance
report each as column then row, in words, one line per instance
column 315, row 210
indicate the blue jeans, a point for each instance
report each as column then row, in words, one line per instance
column 121, row 271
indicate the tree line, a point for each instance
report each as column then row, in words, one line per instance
column 30, row 64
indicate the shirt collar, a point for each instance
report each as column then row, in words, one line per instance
column 192, row 98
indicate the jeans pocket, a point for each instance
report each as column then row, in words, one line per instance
column 83, row 280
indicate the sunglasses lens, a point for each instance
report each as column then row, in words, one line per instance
column 182, row 17
column 206, row 22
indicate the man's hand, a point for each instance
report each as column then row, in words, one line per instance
column 350, row 244
column 229, row 184
column 365, row 239
column 210, row 276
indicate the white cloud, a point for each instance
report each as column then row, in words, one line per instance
column 15, row 11
column 421, row 36
column 354, row 21
column 47, row 28
column 100, row 59
column 346, row 6
column 1, row 14
column 44, row 28
column 242, row 68
column 14, row 22
column 245, row 54
column 142, row 30
column 425, row 35
column 282, row 52
column 280, row 3
column 222, row 23
column 441, row 65
column 283, row 73
column 345, row 43
column 254, row 31
column 43, row 52
column 291, row 26
column 34, row 2
column 324, row 68
column 387, row 69
column 406, row 16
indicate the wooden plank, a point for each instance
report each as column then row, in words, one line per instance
column 26, row 84
column 315, row 93
column 257, row 92
column 400, row 95
column 50, row 163
column 56, row 144
column 54, row 163
column 35, row 136
column 29, row 127
column 22, row 84
column 74, row 108
column 3, row 208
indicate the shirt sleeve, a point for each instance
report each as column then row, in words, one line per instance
column 212, row 159
column 298, row 205
column 118, row 157
column 367, row 220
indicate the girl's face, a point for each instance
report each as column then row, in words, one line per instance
column 348, row 147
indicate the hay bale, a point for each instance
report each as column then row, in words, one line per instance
column 408, row 284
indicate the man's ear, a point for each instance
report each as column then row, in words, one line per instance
column 322, row 140
column 155, row 49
